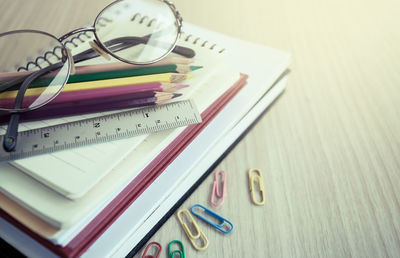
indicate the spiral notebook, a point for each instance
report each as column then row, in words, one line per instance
column 94, row 188
column 78, row 170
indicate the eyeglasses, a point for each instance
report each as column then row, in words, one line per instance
column 132, row 31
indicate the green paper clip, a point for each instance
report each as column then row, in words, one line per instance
column 180, row 252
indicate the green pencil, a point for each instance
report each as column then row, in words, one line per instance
column 172, row 68
column 84, row 77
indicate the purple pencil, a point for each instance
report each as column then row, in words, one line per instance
column 95, row 105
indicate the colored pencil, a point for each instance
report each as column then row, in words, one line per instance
column 163, row 78
column 86, row 107
column 98, row 93
column 103, row 67
column 172, row 68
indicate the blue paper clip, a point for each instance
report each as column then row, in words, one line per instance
column 220, row 226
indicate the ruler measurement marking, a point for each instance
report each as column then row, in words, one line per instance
column 102, row 129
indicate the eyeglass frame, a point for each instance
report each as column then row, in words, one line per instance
column 10, row 138
column 98, row 42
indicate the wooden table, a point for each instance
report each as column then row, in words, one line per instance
column 329, row 148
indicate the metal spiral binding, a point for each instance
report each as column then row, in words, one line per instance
column 73, row 42
column 142, row 19
column 199, row 41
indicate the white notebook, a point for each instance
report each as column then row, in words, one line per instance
column 146, row 211
column 73, row 173
column 211, row 81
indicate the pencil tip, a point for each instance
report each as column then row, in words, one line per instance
column 181, row 86
column 195, row 67
column 175, row 95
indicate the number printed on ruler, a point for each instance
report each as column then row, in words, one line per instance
column 103, row 129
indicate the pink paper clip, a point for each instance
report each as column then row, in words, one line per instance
column 216, row 191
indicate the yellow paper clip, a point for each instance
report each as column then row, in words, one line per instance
column 193, row 236
column 253, row 178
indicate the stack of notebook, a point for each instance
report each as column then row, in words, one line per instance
column 107, row 199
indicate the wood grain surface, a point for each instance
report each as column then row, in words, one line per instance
column 329, row 147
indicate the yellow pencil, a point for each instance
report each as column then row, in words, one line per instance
column 162, row 77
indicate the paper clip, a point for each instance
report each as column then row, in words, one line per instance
column 145, row 255
column 180, row 252
column 223, row 222
column 198, row 235
column 252, row 178
column 216, row 191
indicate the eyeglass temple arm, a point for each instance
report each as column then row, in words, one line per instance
column 36, row 74
column 122, row 43
column 126, row 42
column 10, row 138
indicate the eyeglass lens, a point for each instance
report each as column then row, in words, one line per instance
column 20, row 51
column 139, row 31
